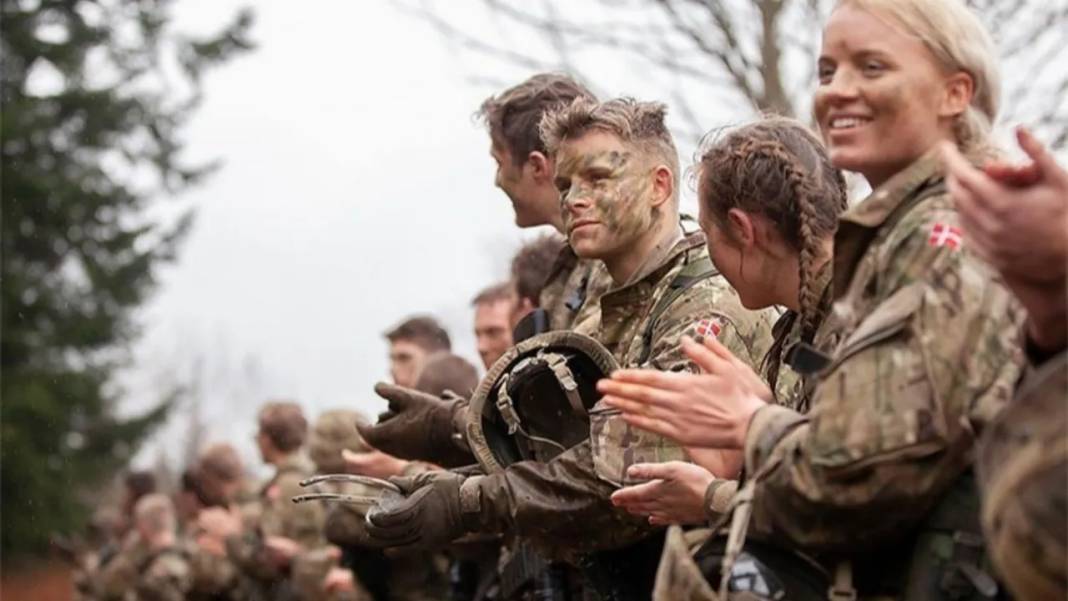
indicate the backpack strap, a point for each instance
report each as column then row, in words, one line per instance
column 689, row 276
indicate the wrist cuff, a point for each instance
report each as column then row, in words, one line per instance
column 767, row 427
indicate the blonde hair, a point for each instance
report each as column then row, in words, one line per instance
column 639, row 124
column 959, row 42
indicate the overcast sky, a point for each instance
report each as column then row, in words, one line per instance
column 356, row 189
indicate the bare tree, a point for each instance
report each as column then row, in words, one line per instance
column 712, row 58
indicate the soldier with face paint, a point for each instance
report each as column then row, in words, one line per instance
column 616, row 175
column 423, row 427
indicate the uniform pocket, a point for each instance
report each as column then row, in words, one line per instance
column 876, row 402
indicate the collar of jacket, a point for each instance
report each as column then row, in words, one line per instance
column 636, row 291
column 858, row 226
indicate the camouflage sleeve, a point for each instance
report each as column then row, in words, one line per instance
column 711, row 309
column 891, row 423
column 167, row 578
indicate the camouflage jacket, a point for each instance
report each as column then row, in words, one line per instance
column 563, row 505
column 923, row 348
column 165, row 575
column 571, row 292
column 1023, row 467
column 276, row 515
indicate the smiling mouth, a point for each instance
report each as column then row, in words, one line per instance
column 848, row 123
column 581, row 224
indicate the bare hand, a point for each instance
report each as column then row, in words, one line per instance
column 219, row 522
column 339, row 580
column 281, row 550
column 675, row 493
column 1016, row 217
column 373, row 463
column 709, row 410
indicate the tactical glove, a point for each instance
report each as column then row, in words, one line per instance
column 420, row 426
column 432, row 515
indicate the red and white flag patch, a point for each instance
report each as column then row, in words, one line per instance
column 708, row 327
column 945, row 235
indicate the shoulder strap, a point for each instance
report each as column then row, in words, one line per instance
column 689, row 276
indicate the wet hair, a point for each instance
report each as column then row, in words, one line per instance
column 423, row 331
column 445, row 371
column 533, row 264
column 959, row 42
column 638, row 124
column 777, row 168
column 513, row 115
column 283, row 423
column 503, row 291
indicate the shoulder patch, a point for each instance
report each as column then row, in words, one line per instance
column 708, row 327
column 943, row 234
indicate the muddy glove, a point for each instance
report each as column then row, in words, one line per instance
column 433, row 515
column 420, row 426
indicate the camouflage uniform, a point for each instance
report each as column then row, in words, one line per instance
column 572, row 289
column 118, row 573
column 276, row 515
column 165, row 575
column 924, row 348
column 564, row 504
column 1023, row 465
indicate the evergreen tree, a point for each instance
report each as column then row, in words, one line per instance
column 95, row 94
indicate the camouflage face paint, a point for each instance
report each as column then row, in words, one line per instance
column 614, row 183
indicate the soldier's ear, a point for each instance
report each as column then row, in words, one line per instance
column 663, row 185
column 742, row 228
column 541, row 167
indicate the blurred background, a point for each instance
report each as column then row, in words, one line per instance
column 211, row 204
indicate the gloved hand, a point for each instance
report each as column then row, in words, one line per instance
column 419, row 426
column 430, row 517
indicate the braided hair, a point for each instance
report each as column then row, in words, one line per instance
column 777, row 168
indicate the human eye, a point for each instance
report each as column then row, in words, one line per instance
column 825, row 71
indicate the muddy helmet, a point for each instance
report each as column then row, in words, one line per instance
column 534, row 402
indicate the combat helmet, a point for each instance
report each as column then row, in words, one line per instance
column 534, row 402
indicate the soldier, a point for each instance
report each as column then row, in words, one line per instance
column 616, row 174
column 153, row 566
column 767, row 192
column 525, row 174
column 531, row 268
column 164, row 574
column 218, row 479
column 921, row 347
column 264, row 545
column 313, row 569
column 494, row 307
column 410, row 343
column 1015, row 216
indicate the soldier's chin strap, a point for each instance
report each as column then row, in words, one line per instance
column 565, row 378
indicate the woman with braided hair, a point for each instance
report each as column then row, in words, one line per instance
column 769, row 201
column 920, row 350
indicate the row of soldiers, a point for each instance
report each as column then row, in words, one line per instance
column 797, row 398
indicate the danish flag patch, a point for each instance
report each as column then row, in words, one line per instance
column 945, row 235
column 708, row 327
